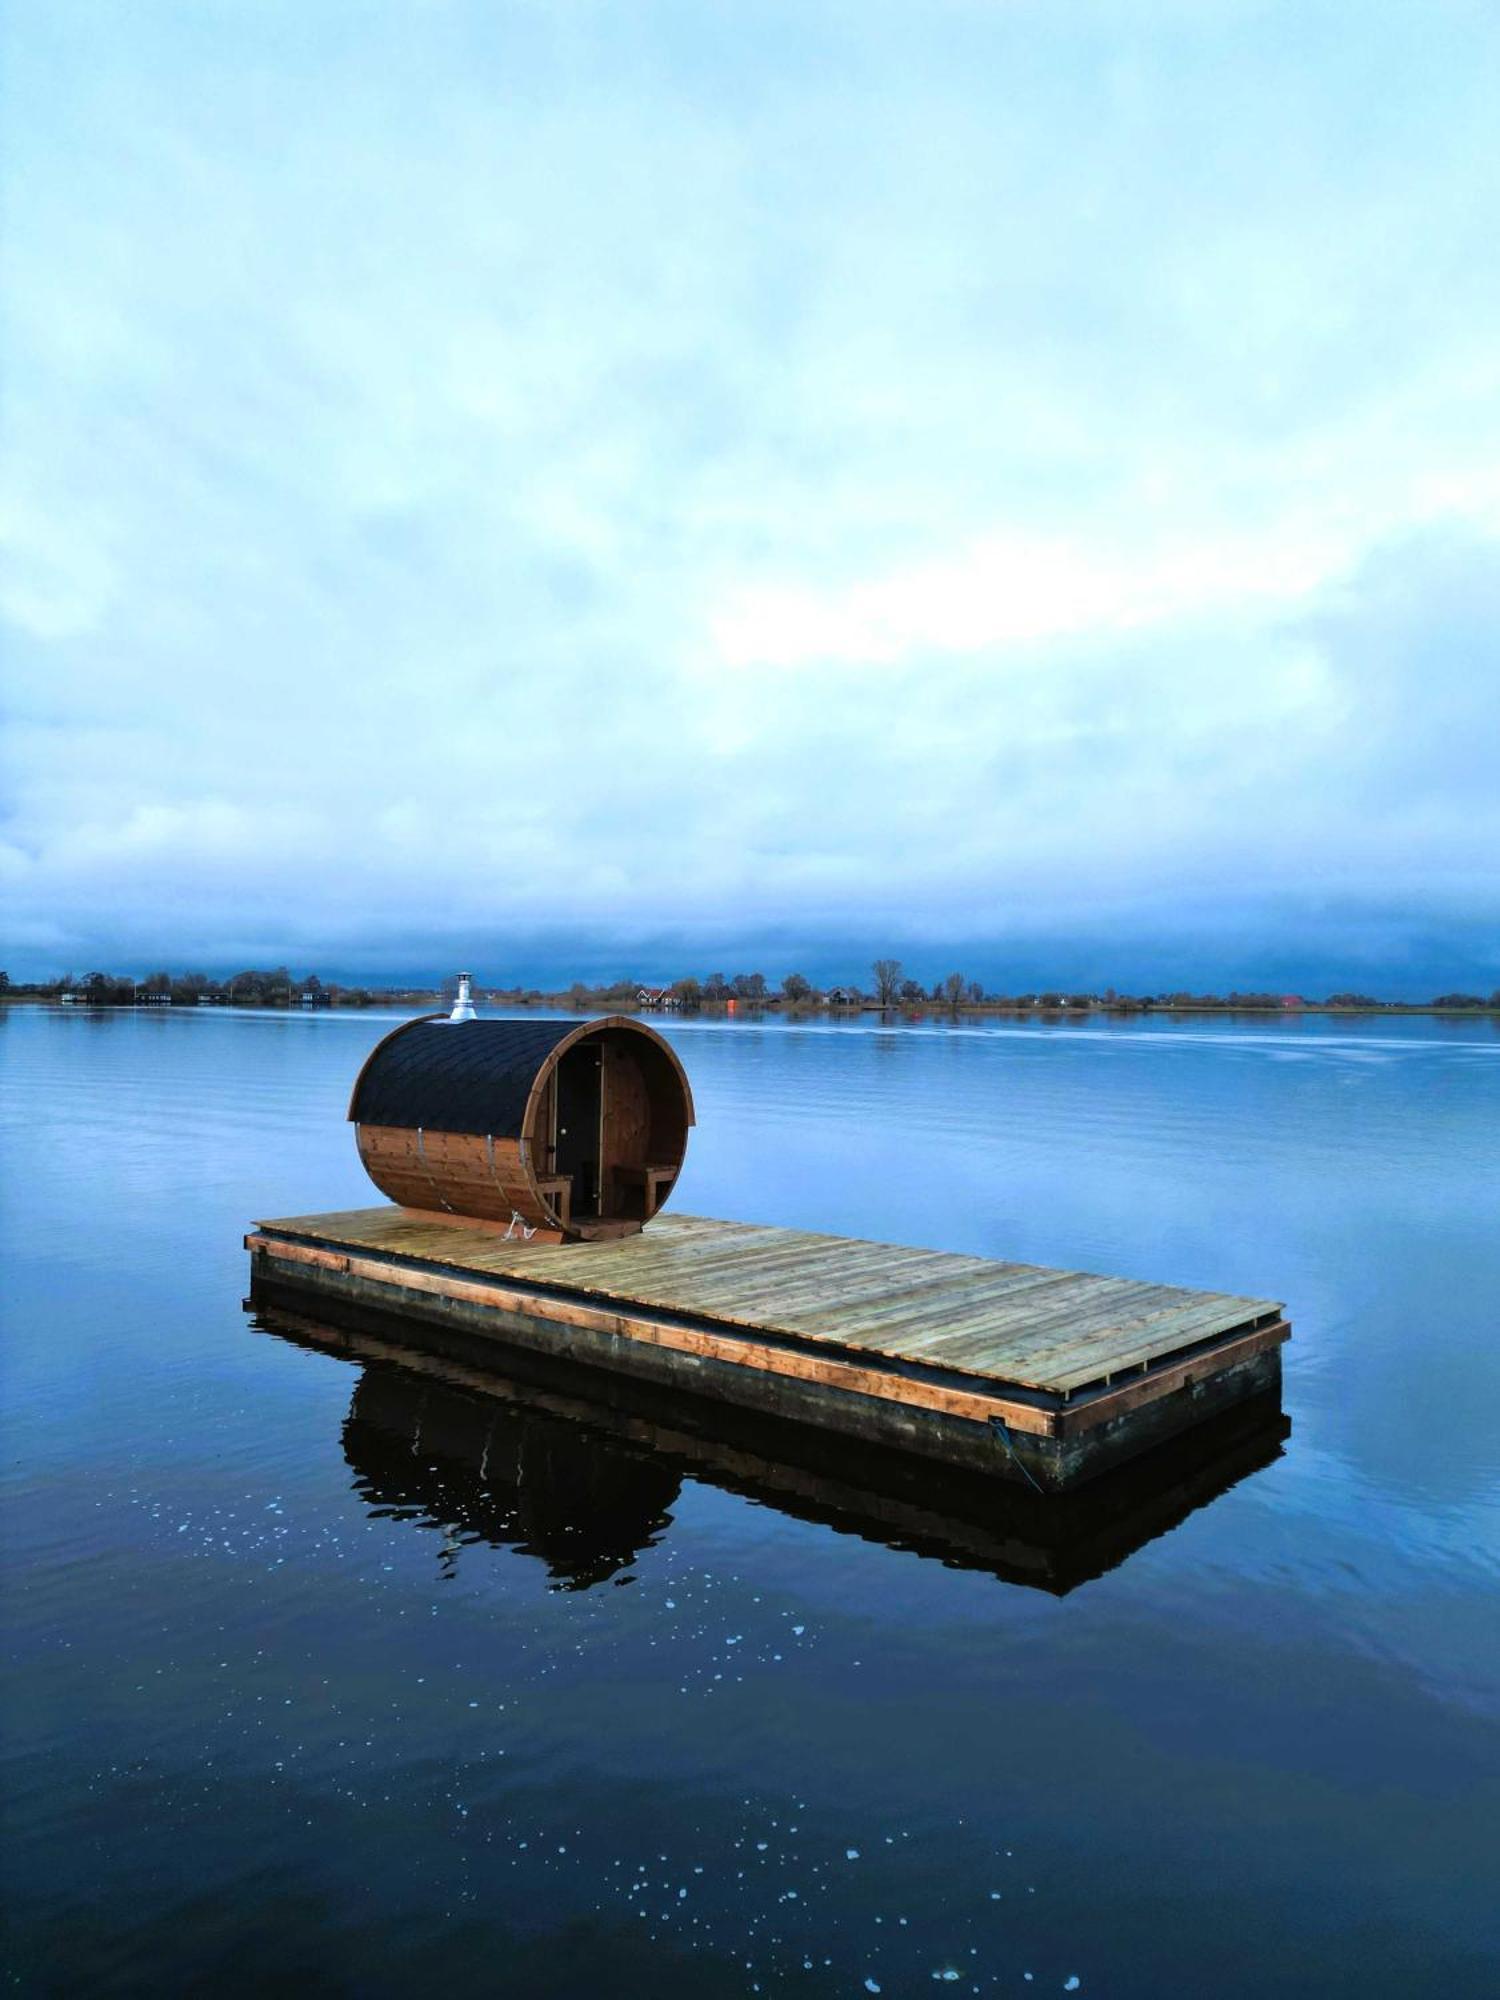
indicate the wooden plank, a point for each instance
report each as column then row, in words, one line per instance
column 752, row 1294
column 1070, row 1375
column 1009, row 1323
column 1066, row 1358
column 974, row 1332
column 1060, row 1294
column 1087, row 1307
column 765, row 1291
column 1166, row 1381
column 749, row 1299
column 736, row 1349
column 1079, row 1316
column 782, row 1265
column 1164, row 1325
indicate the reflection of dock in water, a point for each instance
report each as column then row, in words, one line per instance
column 540, row 1464
column 1045, row 1378
column 485, row 1468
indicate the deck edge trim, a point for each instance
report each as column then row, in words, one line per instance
column 972, row 1397
column 1259, row 1314
column 981, row 1406
column 816, row 1346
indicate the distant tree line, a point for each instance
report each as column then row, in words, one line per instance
column 890, row 990
column 274, row 987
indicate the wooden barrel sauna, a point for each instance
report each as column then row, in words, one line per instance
column 572, row 1129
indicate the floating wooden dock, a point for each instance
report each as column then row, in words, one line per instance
column 583, row 1471
column 1040, row 1376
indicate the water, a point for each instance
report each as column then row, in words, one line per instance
column 328, row 1675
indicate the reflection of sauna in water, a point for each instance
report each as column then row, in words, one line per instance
column 479, row 1470
column 540, row 1464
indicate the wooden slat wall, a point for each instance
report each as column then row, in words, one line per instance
column 453, row 1172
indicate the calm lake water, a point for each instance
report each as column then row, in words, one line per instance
column 328, row 1674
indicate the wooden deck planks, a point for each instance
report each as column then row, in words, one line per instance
column 1053, row 1331
column 1067, row 1370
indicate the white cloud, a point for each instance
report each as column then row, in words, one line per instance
column 644, row 470
column 1013, row 590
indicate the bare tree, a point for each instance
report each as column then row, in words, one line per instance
column 953, row 990
column 887, row 980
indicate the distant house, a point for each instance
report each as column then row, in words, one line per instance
column 163, row 999
column 1292, row 1003
column 844, row 996
column 317, row 1000
column 656, row 996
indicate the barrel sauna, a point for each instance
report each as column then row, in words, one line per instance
column 575, row 1130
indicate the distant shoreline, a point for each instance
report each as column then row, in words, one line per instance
column 371, row 998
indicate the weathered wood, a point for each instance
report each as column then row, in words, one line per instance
column 461, row 1119
column 736, row 1348
column 1047, row 1324
column 1168, row 1379
column 971, row 1350
column 1054, row 1542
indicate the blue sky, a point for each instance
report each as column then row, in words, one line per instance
column 668, row 486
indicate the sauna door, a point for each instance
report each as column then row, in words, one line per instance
column 578, row 1119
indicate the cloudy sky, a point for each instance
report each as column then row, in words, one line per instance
column 1013, row 482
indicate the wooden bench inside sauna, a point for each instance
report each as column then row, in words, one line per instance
column 571, row 1130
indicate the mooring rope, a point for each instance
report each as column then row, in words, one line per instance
column 1015, row 1458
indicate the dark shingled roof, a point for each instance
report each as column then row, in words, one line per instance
column 469, row 1076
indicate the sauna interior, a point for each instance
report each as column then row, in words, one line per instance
column 608, row 1120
